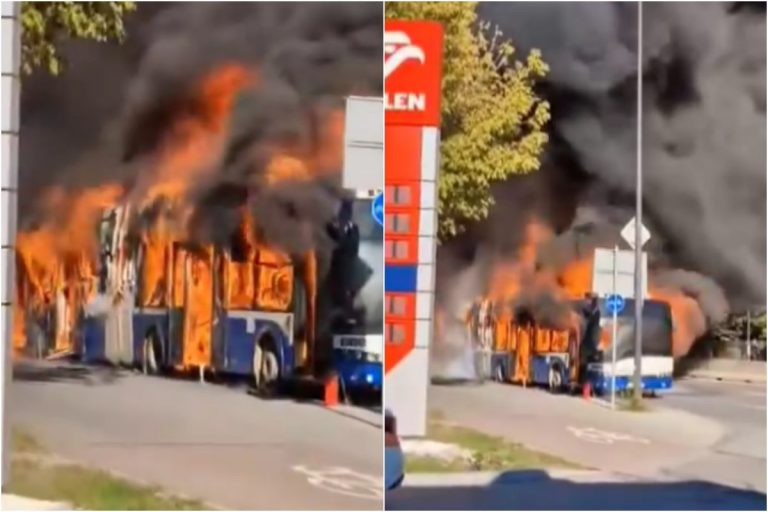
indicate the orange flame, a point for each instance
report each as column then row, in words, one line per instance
column 510, row 278
column 687, row 316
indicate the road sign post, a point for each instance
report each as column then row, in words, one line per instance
column 614, row 329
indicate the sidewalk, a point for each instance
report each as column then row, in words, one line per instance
column 13, row 502
column 731, row 370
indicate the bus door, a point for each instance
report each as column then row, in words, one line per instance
column 220, row 276
column 198, row 308
column 176, row 305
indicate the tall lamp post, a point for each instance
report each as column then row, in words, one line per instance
column 637, row 380
column 11, row 59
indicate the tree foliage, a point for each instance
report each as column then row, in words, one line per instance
column 739, row 326
column 493, row 121
column 44, row 23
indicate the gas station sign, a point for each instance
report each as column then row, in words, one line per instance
column 412, row 67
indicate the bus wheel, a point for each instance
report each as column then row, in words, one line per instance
column 149, row 364
column 266, row 370
column 555, row 379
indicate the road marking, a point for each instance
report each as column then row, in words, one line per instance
column 593, row 435
column 341, row 480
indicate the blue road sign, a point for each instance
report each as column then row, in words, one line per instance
column 614, row 304
column 377, row 208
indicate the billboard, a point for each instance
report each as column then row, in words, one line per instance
column 363, row 144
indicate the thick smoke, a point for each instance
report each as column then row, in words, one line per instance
column 703, row 142
column 704, row 122
column 306, row 57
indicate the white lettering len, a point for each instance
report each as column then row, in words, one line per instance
column 416, row 102
column 406, row 101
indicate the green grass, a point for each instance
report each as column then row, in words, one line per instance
column 25, row 443
column 35, row 475
column 631, row 404
column 490, row 453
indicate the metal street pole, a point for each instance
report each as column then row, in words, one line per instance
column 637, row 381
column 11, row 58
column 614, row 329
column 749, row 335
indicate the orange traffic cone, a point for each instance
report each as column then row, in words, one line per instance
column 586, row 390
column 331, row 391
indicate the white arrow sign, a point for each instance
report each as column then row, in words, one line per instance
column 628, row 233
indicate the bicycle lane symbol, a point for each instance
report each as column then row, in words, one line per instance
column 593, row 435
column 341, row 480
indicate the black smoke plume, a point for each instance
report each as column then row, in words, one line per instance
column 109, row 113
column 704, row 143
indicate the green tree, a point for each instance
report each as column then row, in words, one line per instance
column 44, row 23
column 493, row 121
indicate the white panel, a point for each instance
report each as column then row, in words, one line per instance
column 363, row 167
column 405, row 393
column 425, row 278
column 9, row 258
column 430, row 144
column 10, row 159
column 424, row 305
column 427, row 195
column 364, row 119
column 427, row 222
column 8, row 48
column 654, row 366
column 10, row 108
column 426, row 249
column 422, row 335
column 10, row 8
column 602, row 273
column 8, row 216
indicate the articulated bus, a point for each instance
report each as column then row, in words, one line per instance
column 517, row 350
column 250, row 311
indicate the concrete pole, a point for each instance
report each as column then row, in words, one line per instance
column 11, row 59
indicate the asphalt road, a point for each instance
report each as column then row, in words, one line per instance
column 739, row 457
column 206, row 441
column 701, row 444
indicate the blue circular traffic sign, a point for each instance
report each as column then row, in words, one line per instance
column 614, row 303
column 377, row 208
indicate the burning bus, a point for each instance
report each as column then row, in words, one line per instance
column 149, row 273
column 535, row 322
column 512, row 346
column 245, row 308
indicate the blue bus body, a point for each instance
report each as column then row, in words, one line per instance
column 584, row 361
column 357, row 348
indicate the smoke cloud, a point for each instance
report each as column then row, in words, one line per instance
column 704, row 144
column 305, row 57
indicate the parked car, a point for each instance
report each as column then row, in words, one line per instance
column 393, row 454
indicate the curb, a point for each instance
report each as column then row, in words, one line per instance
column 727, row 377
column 15, row 502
